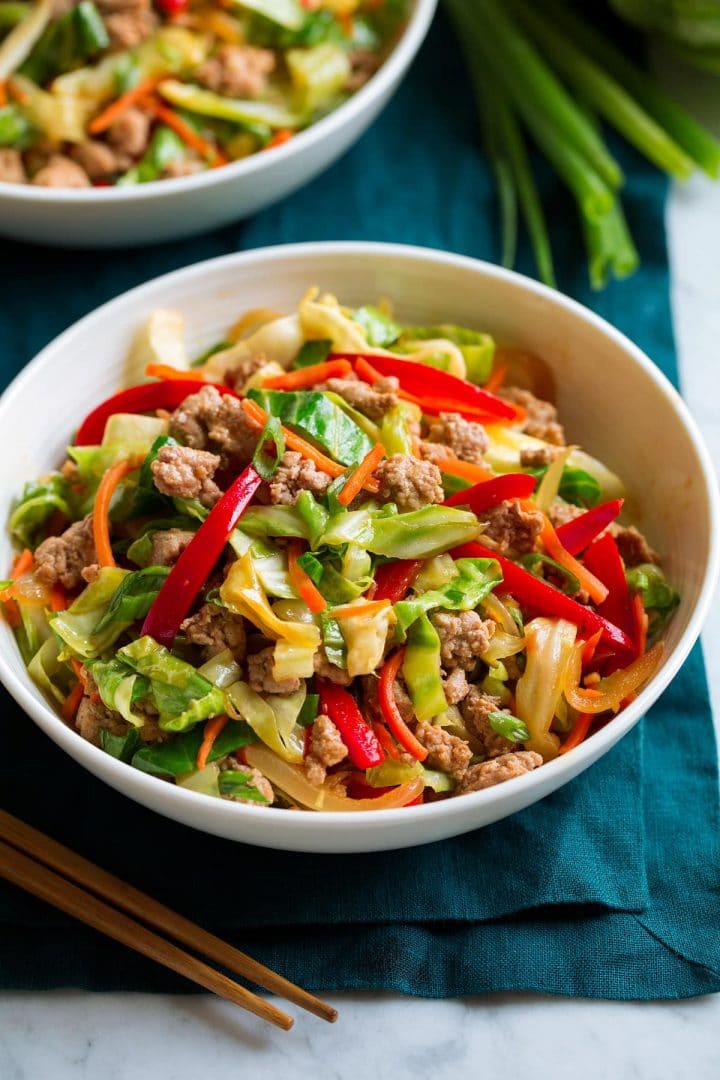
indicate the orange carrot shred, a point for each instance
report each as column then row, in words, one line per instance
column 308, row 376
column 465, row 470
column 496, row 378
column 295, row 442
column 101, row 509
column 589, row 648
column 357, row 480
column 301, row 582
column 578, row 733
column 71, row 704
column 554, row 547
column 190, row 137
column 365, row 371
column 640, row 623
column 348, row 610
column 170, row 374
column 279, row 138
column 385, row 739
column 108, row 116
column 213, row 727
column 58, row 598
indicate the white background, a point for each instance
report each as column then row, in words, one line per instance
column 64, row 1035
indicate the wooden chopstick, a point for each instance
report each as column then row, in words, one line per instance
column 126, row 897
column 56, row 890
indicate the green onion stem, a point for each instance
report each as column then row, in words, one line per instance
column 532, row 85
column 606, row 95
column 609, row 246
column 695, row 139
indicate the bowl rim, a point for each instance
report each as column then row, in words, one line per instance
column 336, row 823
column 392, row 69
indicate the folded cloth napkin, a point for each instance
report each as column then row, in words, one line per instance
column 607, row 888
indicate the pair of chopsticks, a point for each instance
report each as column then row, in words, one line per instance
column 54, row 873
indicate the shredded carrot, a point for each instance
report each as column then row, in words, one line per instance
column 213, row 727
column 101, row 509
column 22, row 564
column 301, row 581
column 348, row 610
column 79, row 670
column 58, row 598
column 190, row 137
column 553, row 546
column 3, row 95
column 308, row 376
column 109, row 115
column 496, row 379
column 171, row 374
column 465, row 470
column 578, row 733
column 279, row 138
column 640, row 623
column 385, row 739
column 365, row 371
column 71, row 704
column 295, row 442
column 356, row 480
column 589, row 648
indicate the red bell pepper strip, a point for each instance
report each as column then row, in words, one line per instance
column 436, row 388
column 491, row 493
column 138, row 399
column 362, row 744
column 393, row 580
column 193, row 568
column 546, row 600
column 603, row 560
column 390, row 711
column 577, row 534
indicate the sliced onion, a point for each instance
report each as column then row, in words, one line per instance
column 293, row 782
column 610, row 692
column 497, row 610
column 19, row 43
column 501, row 646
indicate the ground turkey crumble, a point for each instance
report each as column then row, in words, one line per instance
column 63, row 558
column 261, row 678
column 409, row 483
column 541, row 421
column 466, row 439
column 326, row 749
column 513, row 530
column 464, row 636
column 255, row 779
column 216, row 629
column 168, row 545
column 445, row 751
column 237, row 71
column 373, row 401
column 498, row 770
column 294, row 475
column 476, row 709
column 185, row 473
column 213, row 421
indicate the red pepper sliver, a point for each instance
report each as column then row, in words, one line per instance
column 393, row 580
column 544, row 599
column 603, row 560
column 429, row 383
column 193, row 568
column 489, row 493
column 137, row 399
column 577, row 534
column 390, row 711
column 362, row 744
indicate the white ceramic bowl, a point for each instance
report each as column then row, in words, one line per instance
column 171, row 209
column 611, row 398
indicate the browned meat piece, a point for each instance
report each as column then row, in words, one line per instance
column 239, row 375
column 295, row 474
column 475, row 709
column 129, row 134
column 326, row 749
column 373, row 401
column 12, row 170
column 90, row 573
column 561, row 512
column 255, row 780
column 261, row 678
column 128, row 22
column 538, row 457
column 329, row 671
column 179, row 167
column 237, row 71
column 63, row 558
column 364, row 63
column 464, row 635
column 408, row 482
column 216, row 629
column 632, row 545
column 151, row 733
column 467, row 440
column 513, row 530
column 93, row 717
column 541, row 421
column 496, row 771
column 445, row 752
column 168, row 545
column 213, row 421
column 96, row 158
column 61, row 171
column 185, row 473
column 430, row 451
column 455, row 685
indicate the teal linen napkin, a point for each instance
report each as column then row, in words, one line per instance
column 607, row 888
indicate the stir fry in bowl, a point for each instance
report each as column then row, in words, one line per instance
column 120, row 92
column 336, row 563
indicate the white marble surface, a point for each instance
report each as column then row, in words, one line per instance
column 78, row 1036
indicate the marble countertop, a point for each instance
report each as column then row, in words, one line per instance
column 79, row 1036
